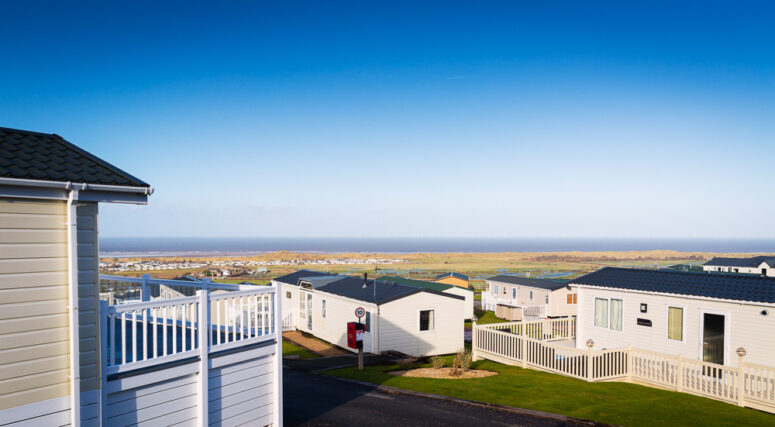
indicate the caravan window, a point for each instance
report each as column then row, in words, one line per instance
column 601, row 312
column 323, row 311
column 675, row 323
column 616, row 314
column 426, row 320
column 513, row 292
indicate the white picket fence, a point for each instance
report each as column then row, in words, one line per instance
column 537, row 345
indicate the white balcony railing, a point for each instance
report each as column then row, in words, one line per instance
column 158, row 330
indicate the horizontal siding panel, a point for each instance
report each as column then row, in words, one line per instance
column 10, row 296
column 252, row 407
column 184, row 417
column 33, row 250
column 152, row 399
column 33, row 338
column 31, row 367
column 261, row 416
column 225, row 380
column 243, row 395
column 28, row 309
column 54, row 419
column 87, row 222
column 240, row 386
column 90, row 276
column 33, row 236
column 87, row 263
column 240, row 366
column 87, row 235
column 166, row 384
column 36, row 221
column 37, row 207
column 35, row 265
column 29, row 382
column 183, row 406
column 36, row 323
column 32, row 280
column 29, row 353
column 37, row 395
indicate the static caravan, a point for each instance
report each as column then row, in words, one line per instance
column 523, row 298
column 69, row 358
column 466, row 293
column 701, row 316
column 409, row 319
column 764, row 265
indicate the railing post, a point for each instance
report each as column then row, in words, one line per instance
column 103, row 360
column 474, row 350
column 278, row 358
column 203, row 327
column 679, row 377
column 524, row 348
column 740, row 381
column 206, row 283
column 629, row 363
column 144, row 295
column 589, row 365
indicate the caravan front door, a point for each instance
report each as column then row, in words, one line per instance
column 713, row 338
column 309, row 310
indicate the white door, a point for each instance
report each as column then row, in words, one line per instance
column 309, row 311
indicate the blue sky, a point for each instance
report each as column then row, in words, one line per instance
column 479, row 119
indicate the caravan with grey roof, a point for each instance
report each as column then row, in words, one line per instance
column 701, row 316
column 411, row 320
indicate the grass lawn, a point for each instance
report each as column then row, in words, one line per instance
column 291, row 349
column 485, row 317
column 613, row 403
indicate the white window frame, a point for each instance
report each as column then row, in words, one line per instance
column 683, row 323
column 433, row 326
column 608, row 317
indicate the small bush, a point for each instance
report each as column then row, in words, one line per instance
column 405, row 364
column 437, row 361
column 465, row 360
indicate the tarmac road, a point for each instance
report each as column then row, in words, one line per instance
column 317, row 400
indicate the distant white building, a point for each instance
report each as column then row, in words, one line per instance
column 763, row 265
column 523, row 298
column 412, row 320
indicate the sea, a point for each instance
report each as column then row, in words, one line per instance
column 235, row 246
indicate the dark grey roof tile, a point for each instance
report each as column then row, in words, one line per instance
column 33, row 155
column 738, row 287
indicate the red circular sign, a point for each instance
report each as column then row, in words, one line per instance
column 360, row 312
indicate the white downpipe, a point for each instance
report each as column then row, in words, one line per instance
column 72, row 282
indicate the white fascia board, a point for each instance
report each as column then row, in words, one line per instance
column 58, row 190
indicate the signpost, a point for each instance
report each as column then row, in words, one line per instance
column 358, row 330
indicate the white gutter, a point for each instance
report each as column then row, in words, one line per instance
column 66, row 185
column 72, row 281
